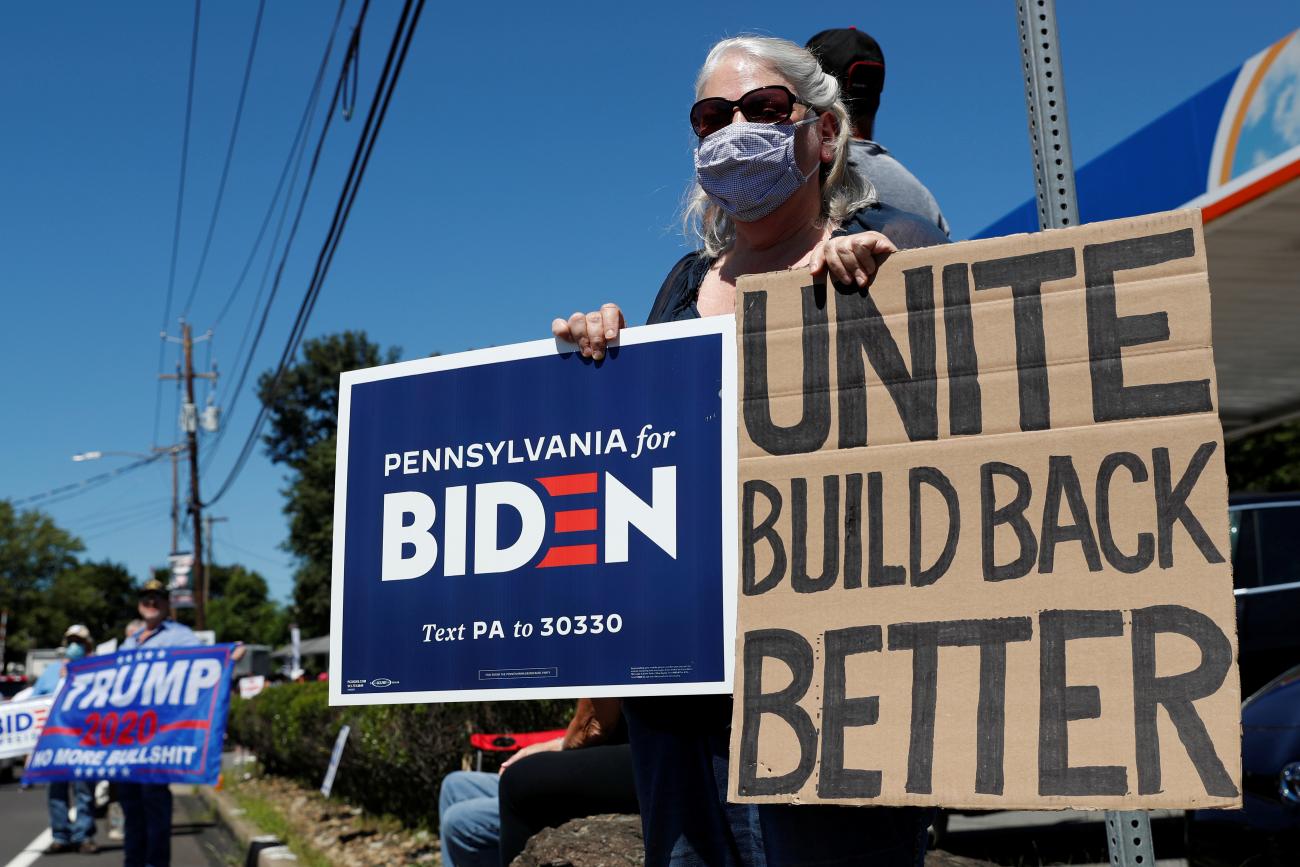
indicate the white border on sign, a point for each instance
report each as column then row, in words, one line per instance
column 725, row 327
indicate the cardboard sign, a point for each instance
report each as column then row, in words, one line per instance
column 251, row 686
column 20, row 725
column 336, row 756
column 983, row 530
column 138, row 716
column 522, row 522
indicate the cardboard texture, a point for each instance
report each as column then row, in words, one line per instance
column 983, row 530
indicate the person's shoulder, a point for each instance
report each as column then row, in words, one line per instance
column 178, row 634
column 908, row 231
column 678, row 288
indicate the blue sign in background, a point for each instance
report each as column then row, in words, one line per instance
column 671, row 609
column 101, row 728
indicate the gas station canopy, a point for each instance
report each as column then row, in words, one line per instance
column 1232, row 150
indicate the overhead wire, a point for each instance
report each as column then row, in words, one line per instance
column 384, row 90
column 350, row 57
column 309, row 112
column 67, row 492
column 230, row 153
column 180, row 208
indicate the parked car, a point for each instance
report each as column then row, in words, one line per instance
column 1267, row 831
column 1265, row 538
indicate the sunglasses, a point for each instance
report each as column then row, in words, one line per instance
column 771, row 104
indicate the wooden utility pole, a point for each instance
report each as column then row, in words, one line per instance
column 190, row 424
column 208, row 521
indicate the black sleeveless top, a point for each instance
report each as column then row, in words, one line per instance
column 676, row 298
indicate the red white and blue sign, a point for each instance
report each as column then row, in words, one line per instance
column 521, row 522
column 138, row 716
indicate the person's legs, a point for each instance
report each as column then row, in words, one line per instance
column 133, row 823
column 829, row 836
column 546, row 790
column 83, row 829
column 60, row 828
column 469, row 827
column 157, row 803
column 679, row 757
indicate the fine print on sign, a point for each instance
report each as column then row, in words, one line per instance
column 983, row 530
column 521, row 522
column 139, row 716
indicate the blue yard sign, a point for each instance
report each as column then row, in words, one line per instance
column 521, row 522
column 138, row 716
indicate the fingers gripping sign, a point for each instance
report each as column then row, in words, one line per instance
column 851, row 258
column 592, row 331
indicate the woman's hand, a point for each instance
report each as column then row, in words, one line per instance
column 543, row 747
column 852, row 258
column 591, row 331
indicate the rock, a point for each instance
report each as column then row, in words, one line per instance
column 597, row 841
column 940, row 858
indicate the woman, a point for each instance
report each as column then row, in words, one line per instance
column 773, row 191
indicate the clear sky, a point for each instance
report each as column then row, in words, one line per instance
column 532, row 164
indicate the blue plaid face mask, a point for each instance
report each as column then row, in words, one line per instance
column 749, row 169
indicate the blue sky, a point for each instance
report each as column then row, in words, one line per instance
column 532, row 164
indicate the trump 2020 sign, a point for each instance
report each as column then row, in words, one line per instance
column 521, row 522
column 138, row 716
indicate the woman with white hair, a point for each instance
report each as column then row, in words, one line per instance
column 772, row 191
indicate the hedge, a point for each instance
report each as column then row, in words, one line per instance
column 396, row 755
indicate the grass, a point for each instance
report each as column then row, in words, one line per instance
column 263, row 814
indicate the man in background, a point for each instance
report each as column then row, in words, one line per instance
column 147, row 807
column 856, row 61
column 69, row 835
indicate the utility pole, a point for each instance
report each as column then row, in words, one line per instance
column 190, row 424
column 1128, row 831
column 208, row 521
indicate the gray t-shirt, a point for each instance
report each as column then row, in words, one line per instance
column 894, row 184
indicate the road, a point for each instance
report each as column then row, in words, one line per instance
column 24, row 833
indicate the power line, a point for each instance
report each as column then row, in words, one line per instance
column 384, row 89
column 230, row 152
column 67, row 492
column 297, row 146
column 293, row 230
column 180, row 207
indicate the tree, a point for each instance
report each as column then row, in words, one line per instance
column 33, row 550
column 1267, row 462
column 305, row 403
column 240, row 607
column 101, row 596
column 304, row 420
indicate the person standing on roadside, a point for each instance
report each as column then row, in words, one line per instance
column 858, row 64
column 75, row 835
column 147, row 807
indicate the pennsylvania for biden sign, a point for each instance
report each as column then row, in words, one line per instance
column 521, row 522
column 138, row 716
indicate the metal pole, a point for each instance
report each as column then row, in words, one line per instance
column 1128, row 833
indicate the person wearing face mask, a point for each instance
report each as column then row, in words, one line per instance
column 69, row 835
column 773, row 191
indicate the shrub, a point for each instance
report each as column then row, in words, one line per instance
column 396, row 755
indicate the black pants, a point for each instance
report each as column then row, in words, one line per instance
column 546, row 790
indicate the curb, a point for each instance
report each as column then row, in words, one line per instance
column 263, row 850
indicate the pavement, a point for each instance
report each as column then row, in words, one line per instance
column 197, row 839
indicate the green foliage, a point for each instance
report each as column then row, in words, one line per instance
column 304, row 419
column 305, row 404
column 33, row 551
column 239, row 606
column 396, row 755
column 1268, row 462
column 99, row 595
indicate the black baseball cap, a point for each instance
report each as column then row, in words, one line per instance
column 855, row 59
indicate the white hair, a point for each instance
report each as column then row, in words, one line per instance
column 843, row 190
